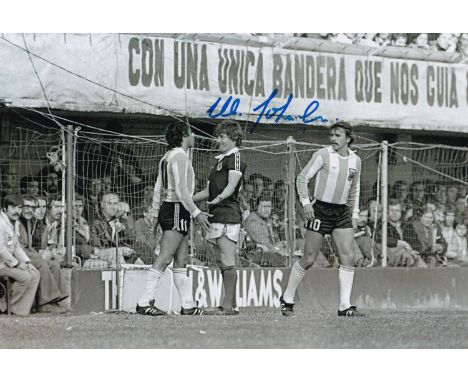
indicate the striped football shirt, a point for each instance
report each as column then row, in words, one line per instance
column 337, row 179
column 176, row 181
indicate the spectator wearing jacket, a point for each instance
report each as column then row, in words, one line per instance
column 52, row 282
column 426, row 238
column 14, row 262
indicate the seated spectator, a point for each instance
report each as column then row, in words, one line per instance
column 9, row 182
column 52, row 285
column 51, row 246
column 29, row 186
column 93, row 200
column 358, row 37
column 104, row 233
column 343, row 38
column 127, row 178
column 399, row 251
column 363, row 238
column 50, row 181
column 454, row 241
column 417, row 197
column 278, row 226
column 439, row 215
column 363, row 228
column 259, row 185
column 81, row 227
column 400, row 191
column 462, row 46
column 369, row 40
column 382, row 39
column 448, row 226
column 452, row 195
column 426, row 238
column 39, row 220
column 126, row 218
column 269, row 188
column 440, row 194
column 259, row 227
column 246, row 199
column 420, row 41
column 461, row 210
column 41, row 209
column 429, row 205
column 278, row 214
column 399, row 39
column 446, row 42
column 375, row 212
column 459, row 245
column 279, row 198
column 146, row 239
column 142, row 208
column 14, row 262
column 106, row 184
column 462, row 190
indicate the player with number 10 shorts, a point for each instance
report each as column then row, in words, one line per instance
column 336, row 170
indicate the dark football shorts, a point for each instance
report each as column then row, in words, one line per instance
column 174, row 217
column 329, row 217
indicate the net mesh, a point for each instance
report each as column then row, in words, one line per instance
column 429, row 183
column 420, row 176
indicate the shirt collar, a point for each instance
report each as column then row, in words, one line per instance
column 232, row 151
column 350, row 152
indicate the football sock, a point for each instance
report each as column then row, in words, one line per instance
column 229, row 283
column 152, row 278
column 184, row 287
column 295, row 278
column 345, row 279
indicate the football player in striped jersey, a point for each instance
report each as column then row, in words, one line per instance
column 174, row 187
column 222, row 193
column 336, row 170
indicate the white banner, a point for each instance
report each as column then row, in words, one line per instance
column 165, row 76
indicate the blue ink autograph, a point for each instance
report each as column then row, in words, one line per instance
column 230, row 106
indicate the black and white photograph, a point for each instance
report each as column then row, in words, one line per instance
column 242, row 190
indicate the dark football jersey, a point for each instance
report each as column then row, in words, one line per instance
column 227, row 211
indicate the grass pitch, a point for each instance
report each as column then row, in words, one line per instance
column 253, row 328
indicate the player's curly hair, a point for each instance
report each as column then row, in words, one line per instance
column 175, row 132
column 347, row 128
column 232, row 130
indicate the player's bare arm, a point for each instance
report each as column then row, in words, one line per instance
column 234, row 178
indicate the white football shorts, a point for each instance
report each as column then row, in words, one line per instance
column 231, row 231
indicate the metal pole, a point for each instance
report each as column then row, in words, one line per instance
column 291, row 199
column 384, row 201
column 191, row 253
column 70, row 187
column 117, row 269
column 61, row 241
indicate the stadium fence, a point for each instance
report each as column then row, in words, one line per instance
column 128, row 166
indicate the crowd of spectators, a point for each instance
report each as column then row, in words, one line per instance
column 426, row 225
column 32, row 248
column 445, row 42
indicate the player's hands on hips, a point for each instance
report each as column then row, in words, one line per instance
column 202, row 219
column 309, row 212
column 354, row 222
